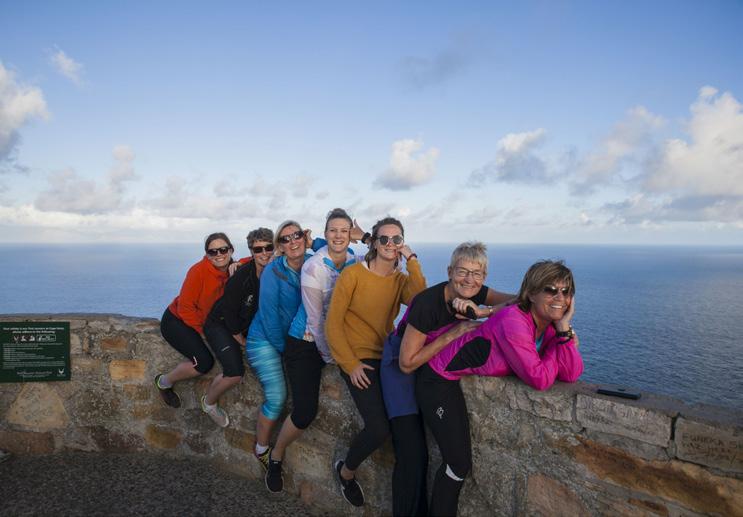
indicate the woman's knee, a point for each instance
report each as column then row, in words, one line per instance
column 274, row 404
column 303, row 416
column 203, row 361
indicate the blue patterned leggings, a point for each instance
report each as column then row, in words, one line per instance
column 266, row 363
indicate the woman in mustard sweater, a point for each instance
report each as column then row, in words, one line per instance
column 366, row 300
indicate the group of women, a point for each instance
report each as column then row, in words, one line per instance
column 293, row 312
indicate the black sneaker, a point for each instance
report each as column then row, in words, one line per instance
column 274, row 479
column 169, row 396
column 350, row 489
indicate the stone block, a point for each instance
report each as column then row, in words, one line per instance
column 547, row 496
column 77, row 324
column 19, row 442
column 99, row 325
column 198, row 443
column 38, row 406
column 690, row 486
column 107, row 440
column 137, row 392
column 619, row 418
column 114, row 344
column 127, row 369
column 554, row 404
column 240, row 439
column 715, row 446
column 161, row 437
column 76, row 346
column 84, row 366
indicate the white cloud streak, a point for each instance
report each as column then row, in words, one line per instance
column 67, row 66
column 516, row 161
column 410, row 166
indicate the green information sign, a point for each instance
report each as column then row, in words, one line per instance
column 35, row 351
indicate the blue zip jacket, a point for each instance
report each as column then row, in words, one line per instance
column 278, row 302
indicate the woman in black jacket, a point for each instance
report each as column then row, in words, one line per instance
column 229, row 319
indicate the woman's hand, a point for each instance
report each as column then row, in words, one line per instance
column 460, row 305
column 308, row 240
column 233, row 267
column 359, row 378
column 405, row 251
column 357, row 233
column 240, row 339
column 563, row 324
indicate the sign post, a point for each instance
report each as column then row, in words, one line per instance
column 35, row 351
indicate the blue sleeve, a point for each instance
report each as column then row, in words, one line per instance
column 318, row 243
column 268, row 307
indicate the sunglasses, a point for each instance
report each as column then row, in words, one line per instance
column 552, row 290
column 260, row 249
column 396, row 240
column 213, row 252
column 286, row 239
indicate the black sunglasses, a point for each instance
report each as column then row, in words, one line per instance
column 286, row 239
column 260, row 249
column 384, row 240
column 213, row 252
column 552, row 290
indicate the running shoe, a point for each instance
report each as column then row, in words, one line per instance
column 169, row 396
column 263, row 458
column 274, row 479
column 216, row 413
column 350, row 488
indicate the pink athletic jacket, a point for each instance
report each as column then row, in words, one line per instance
column 513, row 350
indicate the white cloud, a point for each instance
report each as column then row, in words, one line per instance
column 67, row 66
column 515, row 161
column 630, row 141
column 71, row 193
column 410, row 166
column 710, row 161
column 19, row 104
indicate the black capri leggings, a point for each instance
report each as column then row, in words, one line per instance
column 444, row 411
column 304, row 366
column 187, row 341
column 225, row 348
column 370, row 404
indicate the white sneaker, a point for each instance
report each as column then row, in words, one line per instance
column 216, row 413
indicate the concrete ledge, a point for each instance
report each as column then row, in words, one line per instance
column 563, row 451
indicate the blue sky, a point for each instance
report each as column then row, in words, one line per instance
column 572, row 122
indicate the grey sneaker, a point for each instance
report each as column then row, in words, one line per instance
column 169, row 396
column 350, row 488
column 274, row 479
column 263, row 458
column 216, row 413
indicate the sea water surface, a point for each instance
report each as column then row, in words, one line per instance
column 659, row 319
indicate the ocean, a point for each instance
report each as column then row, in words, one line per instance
column 658, row 319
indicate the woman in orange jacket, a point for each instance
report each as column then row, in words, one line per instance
column 183, row 321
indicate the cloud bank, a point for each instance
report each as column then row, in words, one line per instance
column 19, row 104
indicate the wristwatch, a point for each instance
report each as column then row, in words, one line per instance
column 365, row 237
column 570, row 333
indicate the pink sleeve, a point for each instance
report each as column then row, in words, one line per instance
column 516, row 342
column 569, row 360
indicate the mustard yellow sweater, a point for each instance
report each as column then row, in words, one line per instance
column 363, row 310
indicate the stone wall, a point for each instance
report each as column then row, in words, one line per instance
column 566, row 451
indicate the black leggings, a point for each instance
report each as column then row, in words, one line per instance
column 445, row 412
column 187, row 341
column 409, row 495
column 371, row 407
column 225, row 348
column 304, row 366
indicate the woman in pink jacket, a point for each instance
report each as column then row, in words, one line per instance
column 532, row 339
